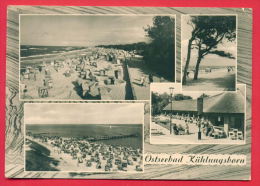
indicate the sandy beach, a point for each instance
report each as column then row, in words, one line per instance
column 217, row 80
column 71, row 154
column 95, row 74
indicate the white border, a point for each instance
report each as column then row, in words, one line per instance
column 181, row 91
column 107, row 172
column 85, row 100
column 182, row 15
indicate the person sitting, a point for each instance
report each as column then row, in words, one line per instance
column 175, row 129
column 210, row 130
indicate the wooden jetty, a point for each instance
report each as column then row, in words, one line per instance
column 99, row 138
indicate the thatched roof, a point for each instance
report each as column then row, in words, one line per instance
column 226, row 102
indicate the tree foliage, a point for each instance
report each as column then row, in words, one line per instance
column 160, row 101
column 203, row 95
column 160, row 53
column 139, row 47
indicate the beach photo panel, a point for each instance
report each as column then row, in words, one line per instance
column 94, row 57
column 209, row 52
column 86, row 137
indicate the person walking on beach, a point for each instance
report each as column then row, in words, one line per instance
column 187, row 131
column 228, row 69
column 150, row 78
column 142, row 81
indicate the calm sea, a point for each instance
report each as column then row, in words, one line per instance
column 88, row 130
column 31, row 50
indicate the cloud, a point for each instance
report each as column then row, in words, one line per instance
column 80, row 30
column 98, row 113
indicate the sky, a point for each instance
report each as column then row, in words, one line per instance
column 85, row 113
column 164, row 88
column 211, row 59
column 82, row 30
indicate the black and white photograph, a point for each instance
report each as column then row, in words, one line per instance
column 86, row 137
column 185, row 117
column 121, row 92
column 209, row 52
column 95, row 57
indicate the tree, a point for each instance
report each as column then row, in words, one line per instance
column 159, row 101
column 179, row 97
column 203, row 95
column 207, row 33
column 159, row 55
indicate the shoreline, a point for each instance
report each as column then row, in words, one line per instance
column 50, row 54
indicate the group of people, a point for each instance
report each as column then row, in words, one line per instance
column 86, row 67
column 93, row 155
column 229, row 69
column 181, row 124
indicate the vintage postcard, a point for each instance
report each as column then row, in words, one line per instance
column 142, row 93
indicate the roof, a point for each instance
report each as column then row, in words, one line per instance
column 226, row 102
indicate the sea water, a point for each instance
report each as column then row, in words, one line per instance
column 92, row 130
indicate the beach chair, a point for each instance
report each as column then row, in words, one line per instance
column 32, row 76
column 23, row 88
column 88, row 163
column 43, row 92
column 138, row 168
column 98, row 166
column 67, row 73
column 240, row 135
column 129, row 162
column 232, row 135
column 107, row 168
column 117, row 161
column 124, row 163
column 48, row 83
column 120, row 167
column 26, row 75
column 207, row 70
column 83, row 74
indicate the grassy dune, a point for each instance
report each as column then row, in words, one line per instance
column 37, row 159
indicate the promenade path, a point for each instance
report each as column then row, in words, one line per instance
column 168, row 138
column 137, row 69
